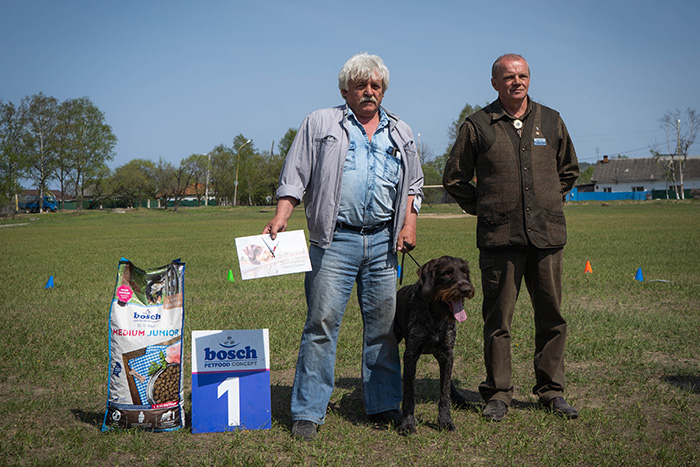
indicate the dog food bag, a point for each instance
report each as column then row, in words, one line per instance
column 146, row 322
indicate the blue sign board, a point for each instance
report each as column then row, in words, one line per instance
column 230, row 380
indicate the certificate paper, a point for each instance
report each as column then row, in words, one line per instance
column 260, row 256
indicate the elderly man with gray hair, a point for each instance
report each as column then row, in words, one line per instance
column 357, row 170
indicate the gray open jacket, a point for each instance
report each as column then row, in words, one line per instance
column 313, row 170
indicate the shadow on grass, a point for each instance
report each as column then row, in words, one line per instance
column 350, row 404
column 689, row 383
column 472, row 401
column 91, row 418
column 280, row 397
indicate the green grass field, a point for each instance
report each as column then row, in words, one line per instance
column 633, row 363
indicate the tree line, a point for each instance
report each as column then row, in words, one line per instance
column 230, row 175
column 44, row 140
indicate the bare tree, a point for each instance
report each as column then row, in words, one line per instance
column 180, row 183
column 196, row 166
column 164, row 179
column 681, row 130
column 171, row 182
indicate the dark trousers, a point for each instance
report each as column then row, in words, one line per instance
column 502, row 272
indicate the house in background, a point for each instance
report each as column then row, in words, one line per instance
column 641, row 178
column 643, row 174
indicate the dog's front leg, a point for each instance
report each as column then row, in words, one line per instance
column 408, row 422
column 445, row 359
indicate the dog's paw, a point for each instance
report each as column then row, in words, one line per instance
column 445, row 423
column 408, row 425
column 406, row 430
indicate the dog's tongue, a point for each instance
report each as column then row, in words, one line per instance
column 458, row 311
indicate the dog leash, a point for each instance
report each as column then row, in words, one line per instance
column 403, row 257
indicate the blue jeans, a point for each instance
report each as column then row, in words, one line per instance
column 369, row 261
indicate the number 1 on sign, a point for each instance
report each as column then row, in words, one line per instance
column 231, row 386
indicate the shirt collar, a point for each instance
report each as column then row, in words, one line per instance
column 500, row 113
column 383, row 118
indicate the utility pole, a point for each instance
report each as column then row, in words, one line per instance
column 680, row 161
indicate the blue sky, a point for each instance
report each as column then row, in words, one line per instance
column 176, row 78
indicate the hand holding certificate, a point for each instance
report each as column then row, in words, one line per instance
column 260, row 256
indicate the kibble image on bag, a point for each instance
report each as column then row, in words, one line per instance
column 146, row 322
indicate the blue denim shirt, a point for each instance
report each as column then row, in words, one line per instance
column 370, row 175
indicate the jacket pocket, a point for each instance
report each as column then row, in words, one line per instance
column 493, row 231
column 324, row 144
column 556, row 227
column 392, row 165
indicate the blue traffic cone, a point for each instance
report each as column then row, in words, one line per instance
column 49, row 283
column 639, row 277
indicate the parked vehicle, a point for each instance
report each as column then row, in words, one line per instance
column 31, row 204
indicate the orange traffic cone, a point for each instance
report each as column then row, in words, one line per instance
column 588, row 268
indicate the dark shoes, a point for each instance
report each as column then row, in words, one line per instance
column 305, row 430
column 495, row 411
column 390, row 417
column 560, row 407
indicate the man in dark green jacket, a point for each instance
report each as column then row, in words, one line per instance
column 525, row 164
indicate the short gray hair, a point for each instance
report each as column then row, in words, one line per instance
column 363, row 66
column 494, row 67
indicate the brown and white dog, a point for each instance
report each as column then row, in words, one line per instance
column 426, row 317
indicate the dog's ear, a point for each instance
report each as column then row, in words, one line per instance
column 426, row 279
